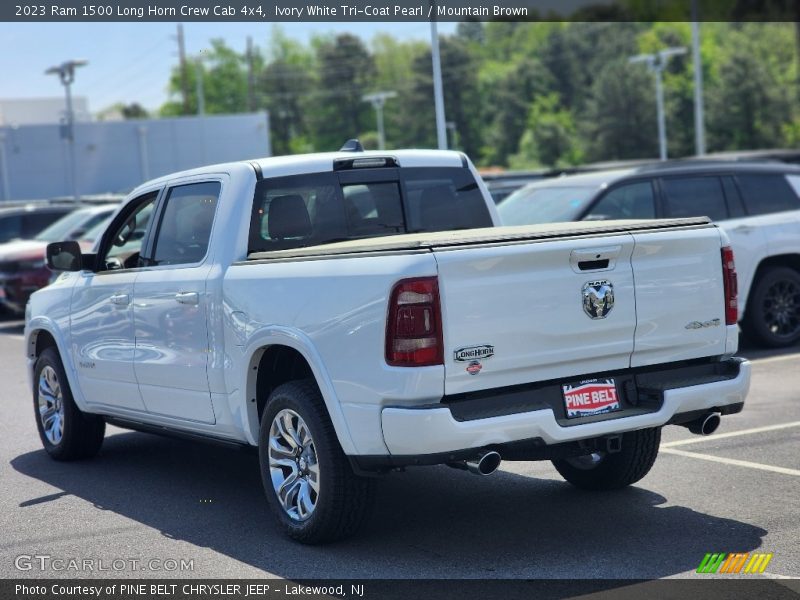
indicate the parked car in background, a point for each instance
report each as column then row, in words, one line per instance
column 502, row 184
column 757, row 205
column 24, row 221
column 22, row 262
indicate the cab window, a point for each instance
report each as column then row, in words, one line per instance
column 629, row 201
column 767, row 193
column 694, row 197
column 123, row 243
column 184, row 228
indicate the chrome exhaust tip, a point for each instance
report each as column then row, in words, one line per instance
column 705, row 425
column 485, row 465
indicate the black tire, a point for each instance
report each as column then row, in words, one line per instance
column 617, row 470
column 344, row 499
column 82, row 433
column 762, row 324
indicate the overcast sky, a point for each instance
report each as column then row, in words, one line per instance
column 131, row 62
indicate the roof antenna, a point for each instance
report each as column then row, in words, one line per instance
column 352, row 146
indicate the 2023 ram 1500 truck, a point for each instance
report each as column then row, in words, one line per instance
column 357, row 312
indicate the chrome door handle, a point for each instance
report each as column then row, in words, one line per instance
column 743, row 229
column 120, row 299
column 188, row 297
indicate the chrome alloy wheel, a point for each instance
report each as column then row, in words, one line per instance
column 51, row 405
column 293, row 465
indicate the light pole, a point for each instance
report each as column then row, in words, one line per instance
column 4, row 167
column 378, row 99
column 201, row 94
column 699, row 125
column 66, row 73
column 438, row 90
column 451, row 127
column 656, row 63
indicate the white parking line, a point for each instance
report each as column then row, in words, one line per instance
column 732, row 461
column 731, row 434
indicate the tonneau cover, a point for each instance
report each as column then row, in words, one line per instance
column 489, row 235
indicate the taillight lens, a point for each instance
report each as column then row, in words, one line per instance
column 731, row 284
column 414, row 325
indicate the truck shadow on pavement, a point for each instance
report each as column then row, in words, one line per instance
column 427, row 523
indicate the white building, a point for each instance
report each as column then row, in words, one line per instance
column 41, row 111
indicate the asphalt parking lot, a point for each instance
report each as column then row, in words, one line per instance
column 147, row 497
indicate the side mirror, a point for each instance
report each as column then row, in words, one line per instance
column 64, row 256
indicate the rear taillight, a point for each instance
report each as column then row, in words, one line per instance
column 414, row 325
column 731, row 286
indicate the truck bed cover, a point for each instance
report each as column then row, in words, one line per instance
column 469, row 237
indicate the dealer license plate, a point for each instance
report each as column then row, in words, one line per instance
column 590, row 397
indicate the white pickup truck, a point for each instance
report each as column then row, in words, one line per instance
column 355, row 313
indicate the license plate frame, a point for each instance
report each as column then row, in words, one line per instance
column 590, row 397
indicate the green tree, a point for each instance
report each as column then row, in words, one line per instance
column 508, row 97
column 751, row 107
column 620, row 120
column 463, row 106
column 394, row 72
column 550, row 138
column 345, row 72
column 284, row 85
column 224, row 73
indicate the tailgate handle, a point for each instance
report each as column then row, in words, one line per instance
column 594, row 259
column 593, row 265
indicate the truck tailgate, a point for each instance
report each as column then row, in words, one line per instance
column 524, row 304
column 563, row 308
column 680, row 296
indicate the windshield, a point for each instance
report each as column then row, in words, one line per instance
column 59, row 230
column 96, row 231
column 533, row 205
column 74, row 225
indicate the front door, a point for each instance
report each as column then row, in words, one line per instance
column 102, row 312
column 170, row 306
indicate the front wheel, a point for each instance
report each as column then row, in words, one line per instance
column 67, row 433
column 773, row 311
column 609, row 471
column 309, row 483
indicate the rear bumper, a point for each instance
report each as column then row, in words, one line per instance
column 423, row 431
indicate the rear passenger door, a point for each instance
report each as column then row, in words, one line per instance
column 771, row 222
column 717, row 197
column 170, row 305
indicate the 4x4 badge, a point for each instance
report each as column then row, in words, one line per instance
column 598, row 298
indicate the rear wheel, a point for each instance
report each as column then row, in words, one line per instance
column 309, row 483
column 67, row 433
column 609, row 471
column 773, row 311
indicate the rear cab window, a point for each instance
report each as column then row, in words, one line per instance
column 310, row 209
